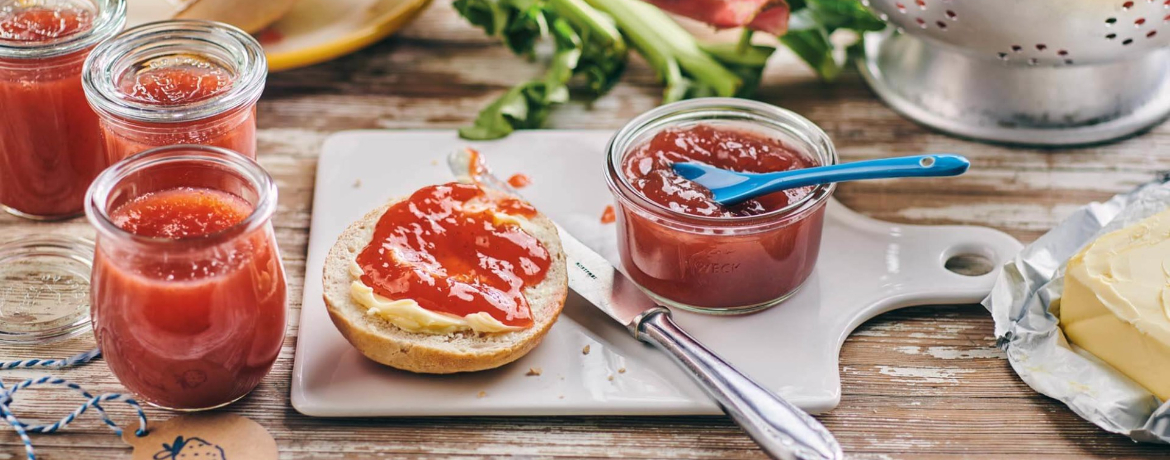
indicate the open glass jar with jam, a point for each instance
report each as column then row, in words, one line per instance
column 177, row 82
column 188, row 292
column 50, row 144
column 688, row 251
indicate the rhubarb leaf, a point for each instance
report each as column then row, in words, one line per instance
column 812, row 22
column 519, row 23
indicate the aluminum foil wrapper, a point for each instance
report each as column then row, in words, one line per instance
column 1026, row 324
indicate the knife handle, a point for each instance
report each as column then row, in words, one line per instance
column 783, row 430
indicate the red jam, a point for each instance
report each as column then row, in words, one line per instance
column 178, row 81
column 692, row 252
column 181, row 213
column 40, row 24
column 607, row 215
column 443, row 248
column 175, row 80
column 195, row 328
column 519, row 180
column 648, row 169
column 50, row 144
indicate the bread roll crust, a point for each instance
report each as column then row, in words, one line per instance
column 465, row 351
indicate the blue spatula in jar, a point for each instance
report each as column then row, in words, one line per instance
column 730, row 187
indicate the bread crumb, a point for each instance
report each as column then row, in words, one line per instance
column 610, row 377
column 357, row 183
column 585, row 350
column 561, row 397
column 434, row 162
column 482, row 394
column 622, row 370
column 532, row 371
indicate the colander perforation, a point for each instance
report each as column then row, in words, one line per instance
column 1029, row 35
column 1018, row 71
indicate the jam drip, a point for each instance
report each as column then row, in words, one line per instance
column 41, row 24
column 444, row 248
column 648, row 168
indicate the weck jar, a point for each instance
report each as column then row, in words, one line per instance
column 50, row 143
column 725, row 262
column 177, row 82
column 188, row 291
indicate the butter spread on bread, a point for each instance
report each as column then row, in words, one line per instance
column 455, row 338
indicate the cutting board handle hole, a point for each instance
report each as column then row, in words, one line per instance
column 969, row 264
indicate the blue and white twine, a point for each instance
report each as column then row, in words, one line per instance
column 23, row 429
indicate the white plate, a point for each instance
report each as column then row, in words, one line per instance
column 866, row 267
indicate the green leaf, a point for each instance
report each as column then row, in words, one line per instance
column 519, row 23
column 495, row 120
column 527, row 106
column 526, row 25
column 731, row 54
column 485, row 14
column 564, row 63
column 845, row 14
column 813, row 21
column 603, row 49
column 746, row 62
column 813, row 46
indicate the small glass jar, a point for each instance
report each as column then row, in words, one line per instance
column 195, row 322
column 723, row 265
column 50, row 144
column 177, row 82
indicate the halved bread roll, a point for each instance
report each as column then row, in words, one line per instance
column 464, row 351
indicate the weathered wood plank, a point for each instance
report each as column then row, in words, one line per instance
column 918, row 383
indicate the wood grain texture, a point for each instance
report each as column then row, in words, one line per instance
column 919, row 383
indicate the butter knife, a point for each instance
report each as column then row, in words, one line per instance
column 782, row 430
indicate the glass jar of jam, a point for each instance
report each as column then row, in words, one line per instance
column 688, row 251
column 188, row 292
column 50, row 145
column 177, row 82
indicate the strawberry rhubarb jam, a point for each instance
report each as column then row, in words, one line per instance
column 39, row 24
column 648, row 170
column 455, row 250
column 691, row 252
column 177, row 82
column 50, row 143
column 188, row 291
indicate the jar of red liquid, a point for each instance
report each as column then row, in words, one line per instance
column 689, row 252
column 177, row 82
column 188, row 292
column 50, row 145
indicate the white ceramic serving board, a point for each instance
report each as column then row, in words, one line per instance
column 866, row 267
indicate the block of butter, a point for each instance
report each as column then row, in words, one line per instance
column 1116, row 301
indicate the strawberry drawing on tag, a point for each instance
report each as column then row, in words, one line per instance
column 190, row 449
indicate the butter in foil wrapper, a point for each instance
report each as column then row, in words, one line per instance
column 1026, row 324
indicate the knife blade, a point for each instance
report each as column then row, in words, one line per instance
column 782, row 430
column 594, row 279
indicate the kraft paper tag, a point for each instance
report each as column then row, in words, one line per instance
column 219, row 436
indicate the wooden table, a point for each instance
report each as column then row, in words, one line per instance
column 922, row 382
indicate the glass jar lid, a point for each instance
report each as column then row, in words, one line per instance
column 44, row 288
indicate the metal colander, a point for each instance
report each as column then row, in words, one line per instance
column 1039, row 72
